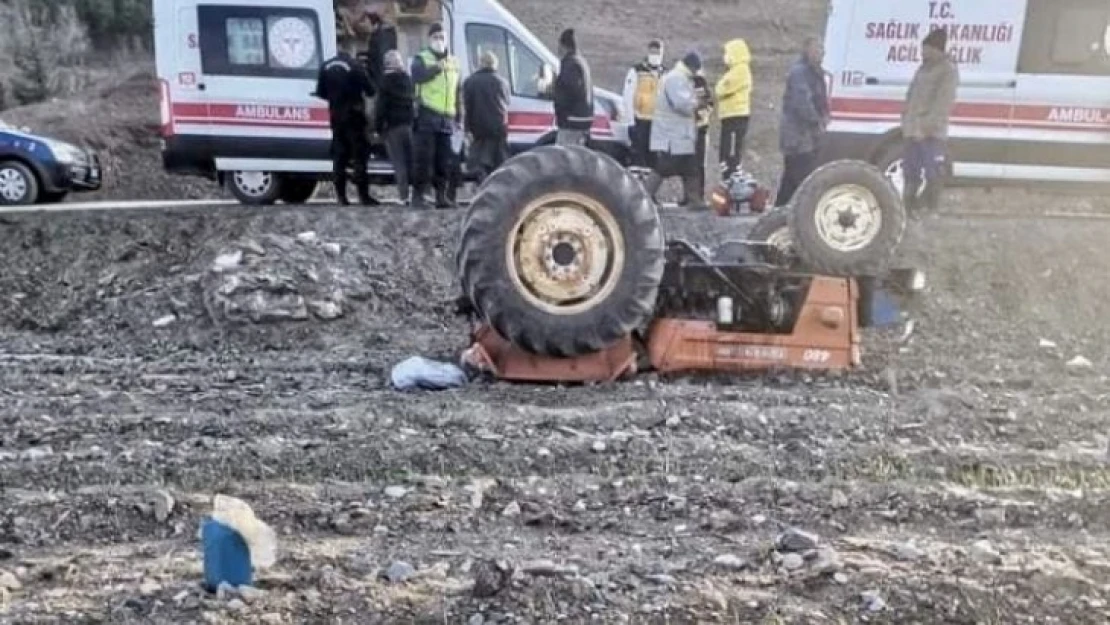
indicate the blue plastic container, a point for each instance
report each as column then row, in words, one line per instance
column 884, row 309
column 226, row 556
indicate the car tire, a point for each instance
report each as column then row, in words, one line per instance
column 847, row 220
column 562, row 252
column 18, row 184
column 255, row 188
column 297, row 190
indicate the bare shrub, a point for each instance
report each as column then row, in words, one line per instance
column 42, row 52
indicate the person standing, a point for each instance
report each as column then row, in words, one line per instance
column 486, row 116
column 395, row 113
column 703, row 115
column 383, row 38
column 734, row 102
column 435, row 72
column 573, row 94
column 674, row 129
column 640, row 86
column 929, row 102
column 343, row 82
column 805, row 119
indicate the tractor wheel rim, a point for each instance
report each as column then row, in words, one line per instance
column 565, row 253
column 848, row 218
column 13, row 186
column 253, row 183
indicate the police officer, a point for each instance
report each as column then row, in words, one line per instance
column 435, row 73
column 640, row 86
column 343, row 83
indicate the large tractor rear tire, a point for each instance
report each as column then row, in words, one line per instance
column 562, row 251
column 847, row 220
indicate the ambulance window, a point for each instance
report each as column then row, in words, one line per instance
column 1065, row 37
column 259, row 41
column 482, row 38
column 526, row 67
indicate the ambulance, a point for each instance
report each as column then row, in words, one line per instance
column 236, row 78
column 1033, row 104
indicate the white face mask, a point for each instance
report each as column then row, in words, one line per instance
column 655, row 59
column 439, row 45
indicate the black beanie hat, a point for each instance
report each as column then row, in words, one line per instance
column 435, row 28
column 567, row 40
column 692, row 60
column 937, row 39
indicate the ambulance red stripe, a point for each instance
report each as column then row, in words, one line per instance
column 1037, row 116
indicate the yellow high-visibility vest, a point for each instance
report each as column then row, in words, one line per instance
column 440, row 93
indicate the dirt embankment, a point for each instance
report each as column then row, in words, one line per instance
column 958, row 478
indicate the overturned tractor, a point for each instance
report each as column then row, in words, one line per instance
column 563, row 262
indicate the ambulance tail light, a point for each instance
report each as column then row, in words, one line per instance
column 165, row 109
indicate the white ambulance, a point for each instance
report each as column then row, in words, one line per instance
column 236, row 78
column 1033, row 104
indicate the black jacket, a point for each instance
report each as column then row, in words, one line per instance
column 573, row 93
column 486, row 104
column 396, row 104
column 343, row 82
column 381, row 41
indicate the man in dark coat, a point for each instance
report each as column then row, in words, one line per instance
column 573, row 94
column 343, row 82
column 486, row 115
column 805, row 119
column 383, row 38
column 396, row 111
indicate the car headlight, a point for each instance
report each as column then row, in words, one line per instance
column 65, row 153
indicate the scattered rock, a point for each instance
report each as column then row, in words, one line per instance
column 477, row 619
column 236, row 605
column 163, row 321
column 35, row 454
column 991, row 516
column 333, row 249
column 907, row 552
column 983, row 551
column 511, row 510
column 399, row 572
column 225, row 591
column 872, row 601
column 796, row 540
column 599, row 446
column 250, row 246
column 490, row 578
column 547, row 568
column 8, row 581
column 662, row 579
column 675, row 421
column 730, row 562
column 272, row 618
column 163, row 504
column 325, row 309
column 827, row 561
column 840, row 578
column 227, row 261
column 250, row 594
column 148, row 588
column 838, row 500
column 395, row 492
column 1079, row 362
column 793, row 561
column 1047, row 344
column 724, row 521
column 307, row 237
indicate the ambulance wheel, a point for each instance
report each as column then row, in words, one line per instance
column 297, row 190
column 846, row 220
column 254, row 187
column 561, row 251
column 773, row 228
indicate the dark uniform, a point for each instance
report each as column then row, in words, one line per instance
column 343, row 83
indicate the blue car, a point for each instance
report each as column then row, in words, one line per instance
column 40, row 170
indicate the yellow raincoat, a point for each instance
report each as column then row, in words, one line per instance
column 734, row 89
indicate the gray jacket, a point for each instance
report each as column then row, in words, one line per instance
column 805, row 109
column 929, row 100
column 674, row 126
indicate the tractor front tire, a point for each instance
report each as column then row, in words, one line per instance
column 847, row 220
column 562, row 252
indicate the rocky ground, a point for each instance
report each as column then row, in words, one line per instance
column 959, row 477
